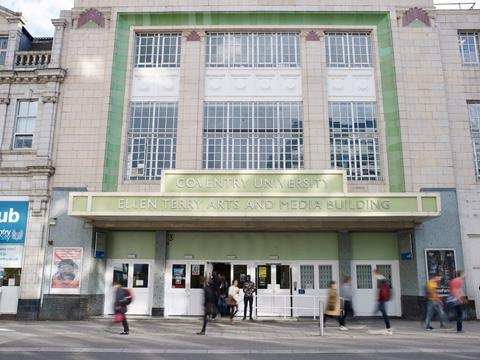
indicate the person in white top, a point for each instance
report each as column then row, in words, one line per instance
column 232, row 300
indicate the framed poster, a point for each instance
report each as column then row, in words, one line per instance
column 66, row 270
column 178, row 276
column 443, row 263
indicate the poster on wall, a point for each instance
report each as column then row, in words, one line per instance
column 441, row 262
column 11, row 256
column 66, row 270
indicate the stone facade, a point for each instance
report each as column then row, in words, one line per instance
column 432, row 89
column 27, row 172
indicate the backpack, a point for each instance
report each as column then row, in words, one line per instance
column 384, row 293
column 127, row 300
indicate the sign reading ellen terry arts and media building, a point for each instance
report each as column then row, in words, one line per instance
column 252, row 193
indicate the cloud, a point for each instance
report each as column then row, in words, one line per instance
column 39, row 13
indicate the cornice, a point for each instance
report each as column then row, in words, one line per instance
column 33, row 76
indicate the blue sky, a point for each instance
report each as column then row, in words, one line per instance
column 40, row 12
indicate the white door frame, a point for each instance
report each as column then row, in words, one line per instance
column 108, row 305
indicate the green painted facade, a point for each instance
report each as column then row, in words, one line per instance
column 381, row 20
column 252, row 246
column 122, row 243
column 374, row 246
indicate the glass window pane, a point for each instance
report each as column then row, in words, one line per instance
column 283, row 276
column 23, row 142
column 120, row 274
column 240, row 274
column 197, row 273
column 178, row 276
column 307, row 280
column 263, row 276
column 324, row 276
column 386, row 270
column 364, row 276
column 140, row 275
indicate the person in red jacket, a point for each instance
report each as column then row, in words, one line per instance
column 383, row 296
column 458, row 298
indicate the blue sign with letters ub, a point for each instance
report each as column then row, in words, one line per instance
column 13, row 221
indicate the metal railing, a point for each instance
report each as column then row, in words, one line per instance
column 32, row 59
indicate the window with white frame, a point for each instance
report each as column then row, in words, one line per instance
column 474, row 111
column 3, row 49
column 157, row 50
column 252, row 50
column 151, row 139
column 469, row 47
column 25, row 124
column 253, row 135
column 354, row 139
column 348, row 49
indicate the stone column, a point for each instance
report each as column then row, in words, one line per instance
column 190, row 111
column 14, row 33
column 32, row 268
column 315, row 101
column 4, row 102
column 57, row 45
column 46, row 124
column 159, row 268
column 344, row 255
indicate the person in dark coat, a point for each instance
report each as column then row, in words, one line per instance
column 210, row 304
column 122, row 299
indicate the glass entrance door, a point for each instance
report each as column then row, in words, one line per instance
column 273, row 290
column 135, row 276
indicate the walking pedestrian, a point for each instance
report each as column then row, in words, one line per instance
column 383, row 296
column 223, row 294
column 209, row 305
column 232, row 300
column 434, row 302
column 457, row 298
column 248, row 291
column 346, row 294
column 333, row 303
column 123, row 298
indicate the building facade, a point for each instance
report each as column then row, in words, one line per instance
column 293, row 141
column 30, row 78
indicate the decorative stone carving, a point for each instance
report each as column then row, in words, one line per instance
column 49, row 99
column 91, row 17
column 312, row 36
column 415, row 13
column 193, row 36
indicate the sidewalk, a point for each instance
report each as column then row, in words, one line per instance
column 180, row 335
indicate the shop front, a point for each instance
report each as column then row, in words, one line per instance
column 13, row 230
column 292, row 232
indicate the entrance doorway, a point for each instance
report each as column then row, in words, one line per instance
column 135, row 275
column 223, row 269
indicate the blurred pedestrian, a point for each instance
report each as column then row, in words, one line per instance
column 248, row 291
column 333, row 303
column 210, row 303
column 434, row 302
column 123, row 298
column 223, row 294
column 457, row 298
column 346, row 294
column 383, row 296
column 232, row 300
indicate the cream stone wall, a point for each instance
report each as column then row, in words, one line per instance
column 463, row 84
